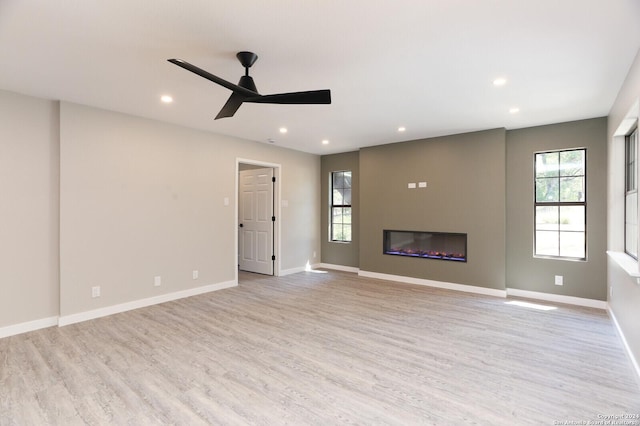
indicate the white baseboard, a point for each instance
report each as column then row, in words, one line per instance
column 627, row 348
column 557, row 298
column 352, row 269
column 438, row 284
column 123, row 307
column 25, row 327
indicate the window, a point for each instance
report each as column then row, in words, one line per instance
column 631, row 195
column 341, row 206
column 560, row 204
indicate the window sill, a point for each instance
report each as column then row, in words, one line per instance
column 566, row 259
column 626, row 262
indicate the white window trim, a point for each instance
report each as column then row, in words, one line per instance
column 620, row 257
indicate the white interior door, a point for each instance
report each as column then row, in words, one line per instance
column 255, row 211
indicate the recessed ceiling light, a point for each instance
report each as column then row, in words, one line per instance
column 514, row 110
column 283, row 130
column 500, row 81
column 325, row 142
column 166, row 99
column 401, row 129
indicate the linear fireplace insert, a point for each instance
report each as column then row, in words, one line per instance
column 427, row 245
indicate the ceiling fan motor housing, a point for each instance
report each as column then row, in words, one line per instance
column 247, row 59
column 247, row 82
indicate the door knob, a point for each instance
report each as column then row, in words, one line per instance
column 241, row 225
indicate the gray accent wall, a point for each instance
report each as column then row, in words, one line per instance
column 584, row 279
column 465, row 192
column 481, row 184
column 342, row 254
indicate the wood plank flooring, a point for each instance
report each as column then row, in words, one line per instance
column 321, row 348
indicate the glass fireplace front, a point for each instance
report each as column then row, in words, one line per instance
column 428, row 245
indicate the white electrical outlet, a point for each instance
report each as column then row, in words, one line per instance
column 422, row 184
column 411, row 185
column 559, row 280
column 95, row 291
column 195, row 274
column 157, row 280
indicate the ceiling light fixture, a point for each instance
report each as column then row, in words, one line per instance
column 500, row 81
column 166, row 99
column 401, row 129
column 514, row 110
column 283, row 130
column 325, row 142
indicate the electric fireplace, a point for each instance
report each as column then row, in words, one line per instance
column 427, row 245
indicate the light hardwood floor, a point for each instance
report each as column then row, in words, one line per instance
column 314, row 348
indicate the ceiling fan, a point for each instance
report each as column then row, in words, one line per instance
column 246, row 91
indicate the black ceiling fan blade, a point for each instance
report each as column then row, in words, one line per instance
column 231, row 106
column 205, row 74
column 308, row 97
column 246, row 91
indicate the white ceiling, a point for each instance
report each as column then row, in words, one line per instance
column 427, row 65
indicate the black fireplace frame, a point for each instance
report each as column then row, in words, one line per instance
column 439, row 254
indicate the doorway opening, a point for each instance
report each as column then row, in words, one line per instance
column 257, row 217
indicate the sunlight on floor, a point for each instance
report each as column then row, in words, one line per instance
column 307, row 268
column 530, row 305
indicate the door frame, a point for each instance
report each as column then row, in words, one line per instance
column 277, row 173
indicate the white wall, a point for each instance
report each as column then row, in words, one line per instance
column 97, row 198
column 623, row 290
column 28, row 209
column 140, row 198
